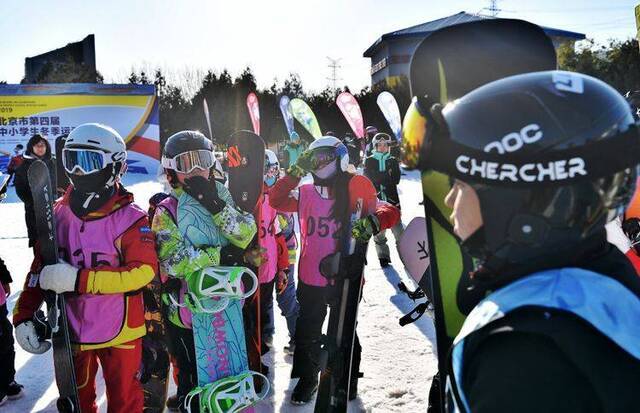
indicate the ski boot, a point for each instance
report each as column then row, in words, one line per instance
column 14, row 390
column 304, row 390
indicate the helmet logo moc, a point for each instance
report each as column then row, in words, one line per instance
column 516, row 140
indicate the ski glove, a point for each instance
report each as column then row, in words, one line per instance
column 60, row 277
column 27, row 338
column 364, row 228
column 205, row 192
column 303, row 165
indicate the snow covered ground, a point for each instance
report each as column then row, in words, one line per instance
column 398, row 362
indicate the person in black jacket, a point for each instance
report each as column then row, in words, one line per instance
column 37, row 148
column 353, row 147
column 384, row 172
column 553, row 308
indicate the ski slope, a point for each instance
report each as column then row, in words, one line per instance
column 398, row 362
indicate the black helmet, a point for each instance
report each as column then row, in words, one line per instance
column 186, row 141
column 196, row 150
column 551, row 155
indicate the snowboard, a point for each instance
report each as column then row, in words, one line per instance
column 414, row 252
column 42, row 192
column 344, row 271
column 439, row 69
column 155, row 361
column 217, row 322
column 245, row 155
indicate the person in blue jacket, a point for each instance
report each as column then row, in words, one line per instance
column 539, row 163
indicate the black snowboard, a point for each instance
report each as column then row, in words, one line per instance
column 42, row 192
column 344, row 270
column 445, row 66
column 245, row 158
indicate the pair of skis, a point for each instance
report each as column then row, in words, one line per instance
column 344, row 270
column 42, row 192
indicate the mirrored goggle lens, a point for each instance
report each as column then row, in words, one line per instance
column 414, row 128
column 188, row 161
column 323, row 157
column 85, row 160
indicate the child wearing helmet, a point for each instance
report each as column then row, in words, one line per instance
column 323, row 207
column 186, row 246
column 107, row 255
column 293, row 149
column 275, row 271
column 383, row 170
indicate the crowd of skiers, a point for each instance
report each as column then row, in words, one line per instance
column 111, row 250
column 552, row 305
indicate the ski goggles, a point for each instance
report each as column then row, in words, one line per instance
column 323, row 156
column 87, row 161
column 271, row 170
column 186, row 162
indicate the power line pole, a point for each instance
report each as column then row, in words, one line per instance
column 493, row 8
column 334, row 66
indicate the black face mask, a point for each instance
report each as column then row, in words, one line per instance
column 85, row 203
column 92, row 183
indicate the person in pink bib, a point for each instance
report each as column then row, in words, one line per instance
column 107, row 255
column 274, row 271
column 321, row 206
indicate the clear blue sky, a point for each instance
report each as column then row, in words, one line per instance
column 274, row 37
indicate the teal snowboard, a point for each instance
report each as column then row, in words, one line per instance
column 215, row 298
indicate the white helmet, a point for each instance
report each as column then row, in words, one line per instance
column 98, row 152
column 340, row 151
column 270, row 158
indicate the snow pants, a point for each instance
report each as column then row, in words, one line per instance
column 120, row 369
column 183, row 354
column 313, row 310
column 7, row 352
column 289, row 307
column 381, row 241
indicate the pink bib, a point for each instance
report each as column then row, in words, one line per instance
column 268, row 229
column 94, row 319
column 318, row 234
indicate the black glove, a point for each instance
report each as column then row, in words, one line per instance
column 205, row 192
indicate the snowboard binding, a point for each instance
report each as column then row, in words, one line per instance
column 420, row 309
column 211, row 289
column 230, row 394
